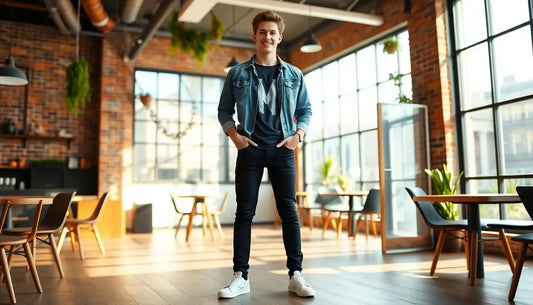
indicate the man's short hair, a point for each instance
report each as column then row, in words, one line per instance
column 268, row 16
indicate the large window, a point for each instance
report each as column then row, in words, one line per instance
column 344, row 96
column 494, row 59
column 178, row 137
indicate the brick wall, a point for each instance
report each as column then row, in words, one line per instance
column 47, row 54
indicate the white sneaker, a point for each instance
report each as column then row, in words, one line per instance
column 299, row 285
column 237, row 286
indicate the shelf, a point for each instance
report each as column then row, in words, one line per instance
column 24, row 138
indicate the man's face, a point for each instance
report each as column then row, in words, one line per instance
column 267, row 37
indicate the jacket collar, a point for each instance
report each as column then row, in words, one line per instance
column 282, row 64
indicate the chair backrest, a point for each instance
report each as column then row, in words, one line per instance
column 372, row 202
column 57, row 213
column 526, row 195
column 99, row 207
column 224, row 203
column 174, row 203
column 5, row 203
column 329, row 200
column 431, row 217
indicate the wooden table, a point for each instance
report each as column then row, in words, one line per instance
column 350, row 195
column 199, row 199
column 474, row 223
column 24, row 200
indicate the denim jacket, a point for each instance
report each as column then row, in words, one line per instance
column 241, row 87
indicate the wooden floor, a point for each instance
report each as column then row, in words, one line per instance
column 156, row 269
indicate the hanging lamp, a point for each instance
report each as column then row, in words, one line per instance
column 232, row 62
column 9, row 74
column 311, row 45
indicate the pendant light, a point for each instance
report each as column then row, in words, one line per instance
column 311, row 45
column 9, row 74
column 233, row 61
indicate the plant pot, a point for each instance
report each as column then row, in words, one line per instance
column 146, row 100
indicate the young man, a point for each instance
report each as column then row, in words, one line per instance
column 273, row 111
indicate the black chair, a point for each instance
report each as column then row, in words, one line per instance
column 50, row 224
column 332, row 204
column 526, row 195
column 370, row 209
column 435, row 221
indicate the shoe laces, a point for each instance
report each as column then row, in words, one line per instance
column 301, row 280
column 235, row 281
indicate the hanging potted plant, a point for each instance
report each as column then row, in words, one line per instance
column 390, row 46
column 190, row 40
column 78, row 90
column 146, row 99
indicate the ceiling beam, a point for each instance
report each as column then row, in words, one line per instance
column 194, row 11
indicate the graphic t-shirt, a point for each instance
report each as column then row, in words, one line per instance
column 267, row 132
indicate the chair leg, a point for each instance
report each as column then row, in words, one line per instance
column 77, row 237
column 326, row 223
column 466, row 251
column 438, row 249
column 507, row 249
column 219, row 227
column 309, row 220
column 7, row 274
column 517, row 271
column 339, row 225
column 473, row 257
column 62, row 236
column 53, row 246
column 366, row 228
column 178, row 226
column 374, row 226
column 33, row 268
column 98, row 238
column 357, row 224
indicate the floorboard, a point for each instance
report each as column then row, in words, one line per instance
column 156, row 269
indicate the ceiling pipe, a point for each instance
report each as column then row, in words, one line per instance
column 165, row 8
column 98, row 16
column 195, row 10
column 63, row 15
column 131, row 10
column 56, row 17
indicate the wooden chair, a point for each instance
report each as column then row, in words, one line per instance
column 435, row 221
column 11, row 242
column 526, row 194
column 331, row 205
column 50, row 224
column 303, row 204
column 73, row 226
column 370, row 209
column 180, row 211
column 214, row 213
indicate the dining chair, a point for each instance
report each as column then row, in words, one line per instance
column 181, row 211
column 74, row 226
column 51, row 223
column 526, row 195
column 332, row 205
column 12, row 242
column 445, row 227
column 215, row 211
column 309, row 207
column 371, row 208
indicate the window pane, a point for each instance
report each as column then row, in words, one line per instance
column 387, row 63
column 388, row 93
column 144, row 132
column 404, row 53
column 470, row 22
column 331, row 118
column 366, row 67
column 167, row 162
column 474, row 77
column 368, row 108
column 350, row 157
column 189, row 163
column 369, row 156
column 480, row 149
column 348, row 106
column 168, row 86
column 144, row 162
column 516, row 211
column 332, row 149
column 331, row 74
column 513, row 61
column 211, row 157
column 316, row 128
column 212, row 88
column 313, row 82
column 515, row 128
column 486, row 186
column 191, row 88
column 347, row 76
column 502, row 10
column 146, row 82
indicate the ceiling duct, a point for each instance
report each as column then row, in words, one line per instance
column 165, row 8
column 131, row 10
column 63, row 15
column 98, row 16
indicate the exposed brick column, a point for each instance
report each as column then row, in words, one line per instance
column 431, row 76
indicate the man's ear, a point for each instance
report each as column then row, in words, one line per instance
column 254, row 37
column 280, row 38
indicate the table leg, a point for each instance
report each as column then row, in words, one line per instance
column 191, row 218
column 209, row 221
column 350, row 217
column 477, row 269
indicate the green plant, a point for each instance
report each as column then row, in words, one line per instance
column 328, row 170
column 390, row 46
column 190, row 40
column 443, row 184
column 402, row 98
column 78, row 90
column 343, row 181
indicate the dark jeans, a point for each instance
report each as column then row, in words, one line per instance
column 281, row 166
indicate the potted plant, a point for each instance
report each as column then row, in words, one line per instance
column 190, row 40
column 78, row 90
column 443, row 184
column 402, row 98
column 390, row 46
column 146, row 99
column 328, row 170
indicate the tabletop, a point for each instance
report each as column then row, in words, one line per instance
column 471, row 198
column 348, row 193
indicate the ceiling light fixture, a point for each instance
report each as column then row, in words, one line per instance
column 9, row 74
column 311, row 45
